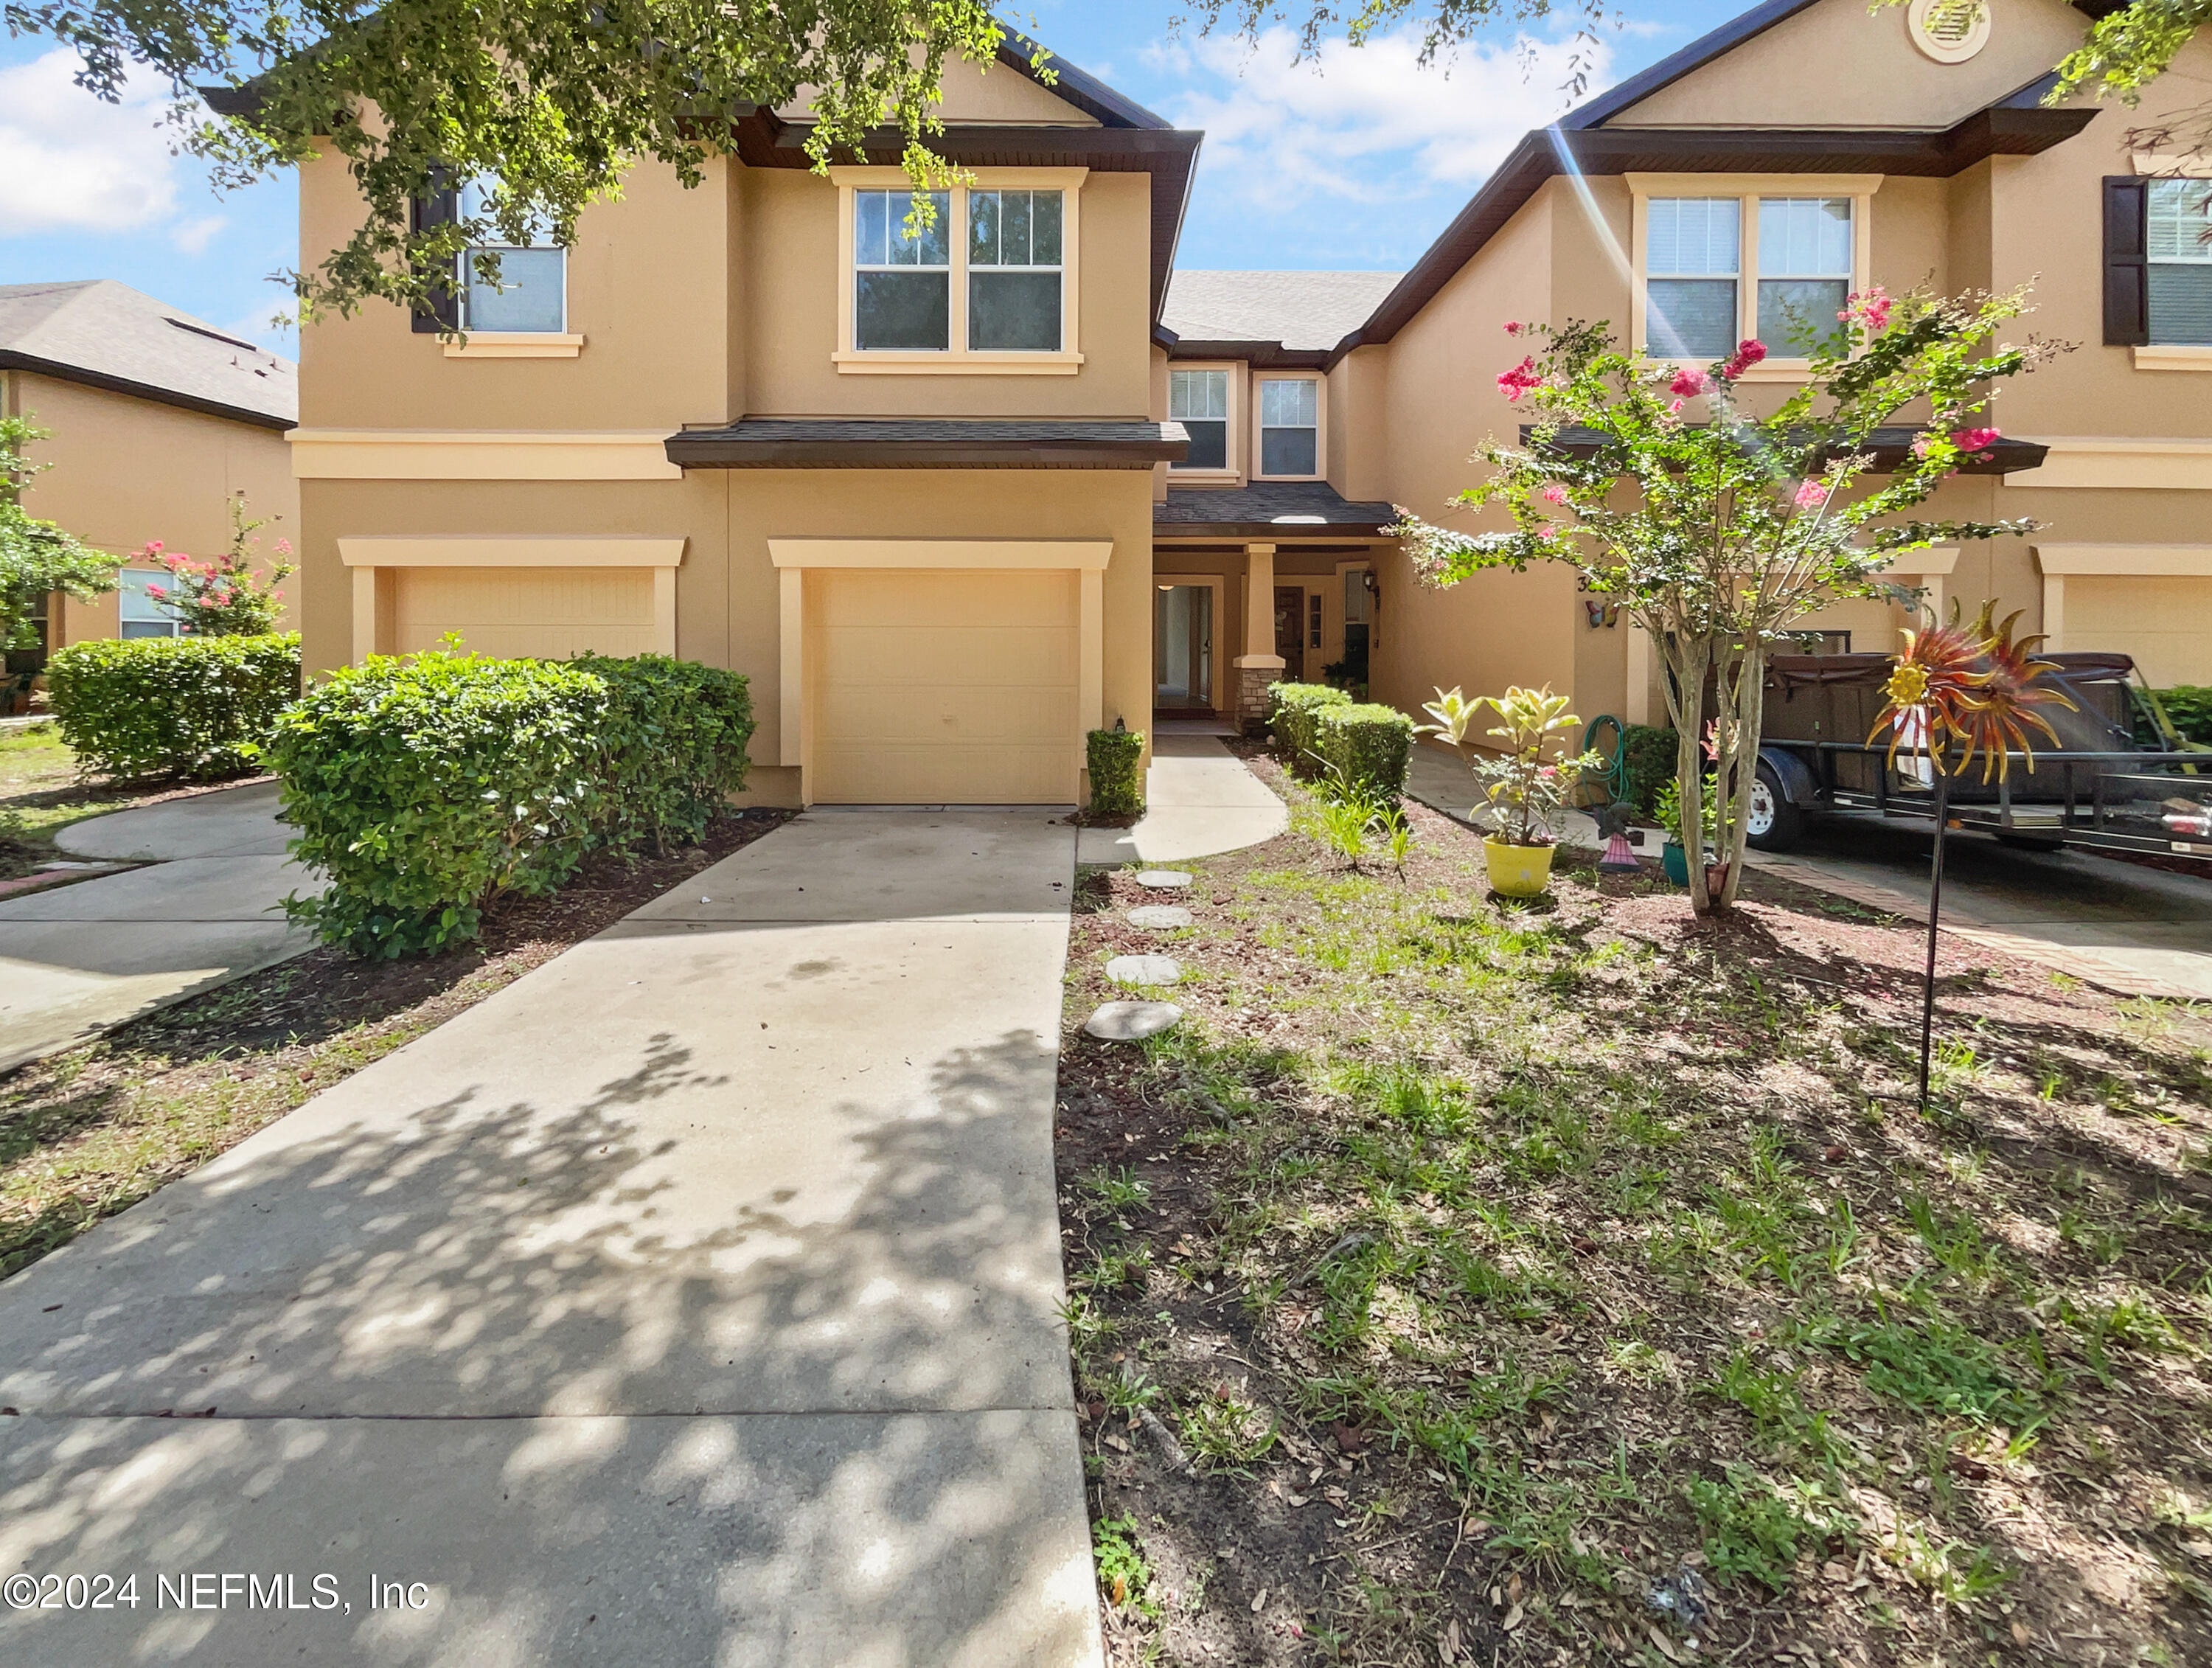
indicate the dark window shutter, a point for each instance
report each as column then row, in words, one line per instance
column 2127, row 299
column 439, row 206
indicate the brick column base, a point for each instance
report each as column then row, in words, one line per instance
column 1252, row 683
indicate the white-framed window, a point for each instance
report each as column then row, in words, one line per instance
column 1014, row 270
column 989, row 287
column 1199, row 399
column 141, row 613
column 2177, row 223
column 1289, row 428
column 901, row 275
column 532, row 296
column 1694, row 255
column 1721, row 257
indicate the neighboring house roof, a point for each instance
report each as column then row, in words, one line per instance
column 1297, row 312
column 929, row 443
column 1266, row 507
column 1888, row 446
column 107, row 335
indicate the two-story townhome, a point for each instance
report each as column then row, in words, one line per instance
column 154, row 419
column 1803, row 151
column 903, row 482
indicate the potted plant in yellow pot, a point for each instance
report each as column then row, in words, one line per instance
column 1525, row 790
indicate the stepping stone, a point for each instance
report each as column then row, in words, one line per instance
column 1144, row 970
column 1130, row 1022
column 1159, row 917
column 1162, row 879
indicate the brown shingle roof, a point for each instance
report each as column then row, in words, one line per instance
column 98, row 332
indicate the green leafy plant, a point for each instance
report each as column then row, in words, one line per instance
column 1718, row 536
column 228, row 597
column 1293, row 711
column 38, row 557
column 199, row 708
column 2189, row 706
column 1117, row 790
column 1226, row 1431
column 1366, row 744
column 1753, row 1528
column 424, row 787
column 1527, row 791
column 1649, row 749
column 1124, row 1574
column 1667, row 812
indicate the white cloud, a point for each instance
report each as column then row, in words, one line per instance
column 70, row 161
column 1371, row 124
column 193, row 236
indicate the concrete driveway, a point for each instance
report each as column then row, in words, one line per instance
column 693, row 1300
column 83, row 959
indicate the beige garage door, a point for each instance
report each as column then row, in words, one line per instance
column 515, row 611
column 2165, row 623
column 933, row 688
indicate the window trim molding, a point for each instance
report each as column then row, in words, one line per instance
column 1747, row 189
column 1320, row 424
column 1233, row 471
column 958, row 359
column 516, row 344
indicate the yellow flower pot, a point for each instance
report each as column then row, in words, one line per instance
column 1517, row 871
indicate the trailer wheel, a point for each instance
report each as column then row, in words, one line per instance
column 1774, row 824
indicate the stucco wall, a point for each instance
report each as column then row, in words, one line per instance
column 129, row 470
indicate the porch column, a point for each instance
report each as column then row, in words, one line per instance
column 1259, row 665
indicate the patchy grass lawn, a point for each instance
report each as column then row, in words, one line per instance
column 84, row 1134
column 41, row 794
column 1466, row 1284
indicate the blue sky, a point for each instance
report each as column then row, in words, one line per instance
column 1354, row 162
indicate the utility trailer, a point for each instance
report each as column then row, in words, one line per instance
column 2099, row 786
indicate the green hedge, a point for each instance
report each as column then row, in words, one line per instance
column 2190, row 707
column 197, row 707
column 1292, row 708
column 1368, row 743
column 1112, row 755
column 424, row 787
column 1651, row 750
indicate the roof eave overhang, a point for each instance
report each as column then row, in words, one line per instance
column 712, row 450
column 2004, row 456
column 12, row 360
column 1262, row 354
column 1280, row 531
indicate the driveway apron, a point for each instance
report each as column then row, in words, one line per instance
column 693, row 1300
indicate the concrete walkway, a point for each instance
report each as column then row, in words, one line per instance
column 2121, row 926
column 1199, row 800
column 692, row 1299
column 80, row 960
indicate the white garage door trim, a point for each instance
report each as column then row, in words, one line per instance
column 373, row 557
column 1086, row 557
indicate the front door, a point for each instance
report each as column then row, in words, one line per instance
column 1290, row 631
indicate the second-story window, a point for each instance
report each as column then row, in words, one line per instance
column 532, row 296
column 902, row 277
column 1199, row 401
column 1290, row 426
column 1804, row 270
column 2178, row 217
column 1692, row 253
column 1014, row 270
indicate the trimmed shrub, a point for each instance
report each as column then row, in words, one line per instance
column 1651, row 750
column 1116, row 790
column 424, row 787
column 194, row 707
column 2190, row 707
column 1368, row 743
column 1291, row 711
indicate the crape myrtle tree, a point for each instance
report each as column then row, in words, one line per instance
column 1717, row 529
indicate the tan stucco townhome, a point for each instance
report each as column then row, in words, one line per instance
column 156, row 419
column 951, row 502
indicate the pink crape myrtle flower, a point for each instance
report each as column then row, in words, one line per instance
column 1517, row 381
column 1555, row 494
column 1870, row 307
column 283, row 547
column 1973, row 440
column 1811, row 494
column 1514, row 326
column 1749, row 352
column 1674, row 408
column 1688, row 383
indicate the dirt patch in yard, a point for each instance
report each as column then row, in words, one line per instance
column 1467, row 1283
column 85, row 1133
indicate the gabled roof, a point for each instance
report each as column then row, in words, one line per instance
column 107, row 335
column 1282, row 509
column 1231, row 315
